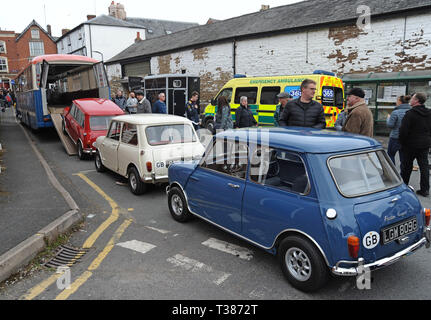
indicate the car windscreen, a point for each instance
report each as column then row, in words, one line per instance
column 365, row 173
column 99, row 123
column 170, row 134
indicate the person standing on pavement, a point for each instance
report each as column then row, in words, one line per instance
column 120, row 100
column 193, row 110
column 394, row 122
column 244, row 117
column 284, row 98
column 132, row 103
column 160, row 105
column 304, row 112
column 223, row 119
column 144, row 106
column 415, row 139
column 359, row 117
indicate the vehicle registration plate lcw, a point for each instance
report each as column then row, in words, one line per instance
column 399, row 230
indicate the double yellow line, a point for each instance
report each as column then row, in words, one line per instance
column 65, row 294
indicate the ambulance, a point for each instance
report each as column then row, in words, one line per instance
column 262, row 96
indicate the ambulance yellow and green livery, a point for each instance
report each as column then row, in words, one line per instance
column 262, row 95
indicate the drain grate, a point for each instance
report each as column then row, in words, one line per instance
column 66, row 256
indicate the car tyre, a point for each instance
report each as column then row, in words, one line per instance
column 178, row 206
column 98, row 163
column 302, row 264
column 81, row 154
column 137, row 187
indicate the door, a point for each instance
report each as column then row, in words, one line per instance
column 179, row 103
column 109, row 148
column 216, row 188
column 102, row 80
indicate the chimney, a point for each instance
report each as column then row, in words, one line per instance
column 64, row 31
column 264, row 7
column 138, row 37
column 48, row 29
column 90, row 16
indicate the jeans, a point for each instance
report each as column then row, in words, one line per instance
column 394, row 147
column 409, row 156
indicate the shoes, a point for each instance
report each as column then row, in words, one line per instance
column 423, row 193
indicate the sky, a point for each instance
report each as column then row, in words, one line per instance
column 61, row 14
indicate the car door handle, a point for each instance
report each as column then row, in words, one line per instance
column 234, row 186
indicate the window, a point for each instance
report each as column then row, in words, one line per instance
column 2, row 47
column 269, row 95
column 35, row 34
column 279, row 169
column 36, row 48
column 80, row 118
column 100, row 123
column 228, row 157
column 332, row 97
column 170, row 134
column 114, row 131
column 3, row 65
column 250, row 93
column 225, row 93
column 73, row 111
column 129, row 134
column 360, row 174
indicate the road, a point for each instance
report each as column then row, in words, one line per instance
column 137, row 251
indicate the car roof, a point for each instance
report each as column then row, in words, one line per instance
column 152, row 119
column 98, row 107
column 303, row 140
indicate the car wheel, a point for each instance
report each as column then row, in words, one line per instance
column 178, row 206
column 136, row 186
column 98, row 163
column 302, row 264
column 81, row 154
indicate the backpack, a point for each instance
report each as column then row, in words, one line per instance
column 8, row 98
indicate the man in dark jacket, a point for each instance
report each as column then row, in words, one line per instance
column 244, row 117
column 193, row 110
column 415, row 139
column 120, row 100
column 304, row 112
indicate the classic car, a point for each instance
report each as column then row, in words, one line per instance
column 86, row 120
column 142, row 147
column 324, row 202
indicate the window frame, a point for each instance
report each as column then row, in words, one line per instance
column 220, row 94
column 36, row 52
column 111, row 126
column 3, row 45
column 194, row 140
column 6, row 63
column 309, row 186
column 261, row 94
column 137, row 135
column 238, row 96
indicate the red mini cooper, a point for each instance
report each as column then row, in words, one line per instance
column 86, row 120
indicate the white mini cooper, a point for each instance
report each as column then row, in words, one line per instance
column 142, row 147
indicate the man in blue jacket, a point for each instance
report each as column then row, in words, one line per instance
column 160, row 105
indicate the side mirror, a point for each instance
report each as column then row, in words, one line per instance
column 66, row 110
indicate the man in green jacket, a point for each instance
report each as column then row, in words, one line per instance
column 284, row 98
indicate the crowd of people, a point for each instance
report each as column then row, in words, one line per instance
column 410, row 122
column 7, row 99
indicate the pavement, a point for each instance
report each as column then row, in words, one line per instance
column 30, row 200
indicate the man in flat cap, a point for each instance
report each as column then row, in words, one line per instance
column 359, row 117
column 284, row 98
column 144, row 106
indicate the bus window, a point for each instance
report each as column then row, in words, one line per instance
column 250, row 93
column 225, row 93
column 269, row 95
column 339, row 98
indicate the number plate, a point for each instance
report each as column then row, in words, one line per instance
column 399, row 230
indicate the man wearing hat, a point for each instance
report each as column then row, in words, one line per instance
column 359, row 117
column 144, row 106
column 284, row 98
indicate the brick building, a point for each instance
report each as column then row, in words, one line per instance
column 16, row 50
column 292, row 39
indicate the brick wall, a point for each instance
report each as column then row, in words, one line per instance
column 8, row 37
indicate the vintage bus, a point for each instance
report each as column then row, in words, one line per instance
column 51, row 82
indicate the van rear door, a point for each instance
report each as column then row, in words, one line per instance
column 102, row 80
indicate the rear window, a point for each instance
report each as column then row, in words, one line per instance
column 365, row 173
column 98, row 123
column 170, row 134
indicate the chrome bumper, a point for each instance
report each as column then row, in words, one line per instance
column 353, row 271
column 89, row 151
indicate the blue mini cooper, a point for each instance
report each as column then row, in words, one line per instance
column 321, row 201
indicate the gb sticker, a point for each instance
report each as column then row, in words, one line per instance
column 371, row 240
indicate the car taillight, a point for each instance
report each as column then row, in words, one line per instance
column 354, row 245
column 149, row 167
column 427, row 213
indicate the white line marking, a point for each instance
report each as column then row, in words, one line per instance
column 158, row 230
column 217, row 277
column 137, row 246
column 240, row 252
